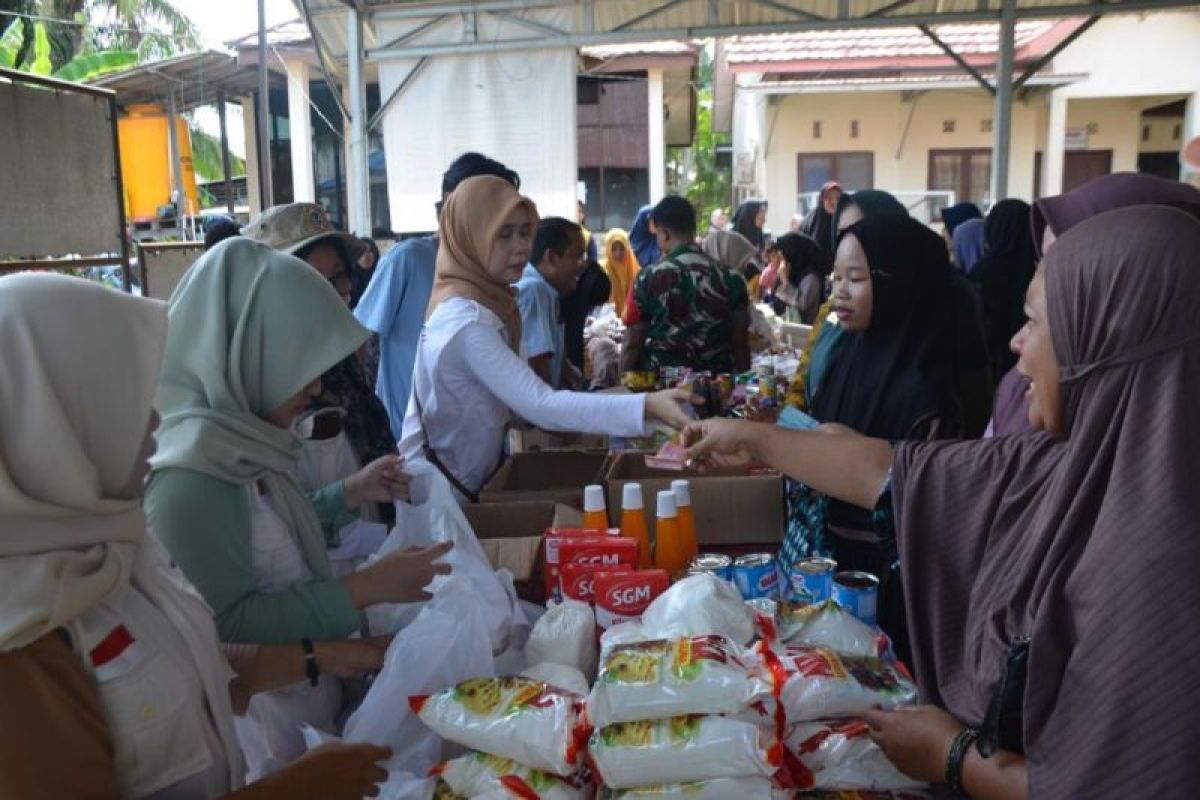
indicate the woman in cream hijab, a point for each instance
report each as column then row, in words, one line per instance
column 111, row 678
column 252, row 330
column 468, row 378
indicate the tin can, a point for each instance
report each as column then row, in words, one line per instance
column 811, row 580
column 714, row 563
column 755, row 576
column 858, row 593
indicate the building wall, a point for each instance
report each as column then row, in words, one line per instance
column 1163, row 135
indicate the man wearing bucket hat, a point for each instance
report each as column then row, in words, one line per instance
column 304, row 230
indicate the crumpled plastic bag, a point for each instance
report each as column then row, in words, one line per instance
column 831, row 626
column 700, row 605
column 398, row 786
column 448, row 642
column 821, row 684
column 840, row 754
column 565, row 634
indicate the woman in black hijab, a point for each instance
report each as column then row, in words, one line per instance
column 802, row 282
column 1003, row 276
column 749, row 219
column 819, row 223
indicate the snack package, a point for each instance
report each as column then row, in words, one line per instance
column 821, row 684
column 670, row 677
column 526, row 720
column 623, row 595
column 565, row 634
column 578, row 582
column 552, row 541
column 829, row 625
column 700, row 605
column 476, row 774
column 716, row 789
column 840, row 754
column 682, row 749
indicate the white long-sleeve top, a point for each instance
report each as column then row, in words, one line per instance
column 469, row 382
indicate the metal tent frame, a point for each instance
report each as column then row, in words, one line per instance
column 346, row 35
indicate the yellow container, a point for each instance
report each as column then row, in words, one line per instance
column 146, row 160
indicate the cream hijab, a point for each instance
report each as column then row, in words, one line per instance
column 250, row 328
column 470, row 220
column 80, row 365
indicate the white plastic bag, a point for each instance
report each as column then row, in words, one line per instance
column 565, row 634
column 669, row 677
column 682, row 749
column 831, row 626
column 717, row 789
column 476, row 774
column 840, row 754
column 821, row 684
column 433, row 516
column 559, row 675
column 398, row 786
column 700, row 605
column 448, row 642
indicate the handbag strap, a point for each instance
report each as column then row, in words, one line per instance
column 432, row 457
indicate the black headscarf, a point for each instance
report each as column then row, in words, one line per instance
column 803, row 255
column 900, row 371
column 1003, row 276
column 745, row 222
column 871, row 202
column 819, row 224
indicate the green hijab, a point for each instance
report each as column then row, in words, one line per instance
column 248, row 328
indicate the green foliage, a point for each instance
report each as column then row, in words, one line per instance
column 92, row 65
column 692, row 170
column 206, row 157
column 10, row 44
column 39, row 60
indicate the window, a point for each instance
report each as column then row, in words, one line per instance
column 587, row 91
column 967, row 173
column 1178, row 132
column 853, row 129
column 853, row 171
column 1145, row 133
column 948, row 126
column 985, row 125
column 816, row 129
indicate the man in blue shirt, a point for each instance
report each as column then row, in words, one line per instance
column 555, row 265
column 394, row 302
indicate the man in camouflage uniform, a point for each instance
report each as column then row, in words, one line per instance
column 694, row 312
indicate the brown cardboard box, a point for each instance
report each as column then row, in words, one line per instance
column 731, row 506
column 539, row 441
column 556, row 477
column 511, row 536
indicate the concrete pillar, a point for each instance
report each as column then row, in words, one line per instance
column 178, row 191
column 249, row 126
column 1002, row 123
column 656, row 130
column 1191, row 130
column 358, row 180
column 1056, row 145
column 304, row 188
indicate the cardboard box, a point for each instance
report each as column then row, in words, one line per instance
column 556, row 477
column 731, row 506
column 539, row 441
column 511, row 536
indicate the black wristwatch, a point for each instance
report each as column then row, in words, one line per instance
column 310, row 662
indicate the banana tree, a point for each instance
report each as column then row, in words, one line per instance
column 38, row 60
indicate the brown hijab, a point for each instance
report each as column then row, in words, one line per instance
column 1089, row 546
column 470, row 221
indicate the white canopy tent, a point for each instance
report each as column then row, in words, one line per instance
column 350, row 34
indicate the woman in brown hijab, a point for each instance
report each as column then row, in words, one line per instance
column 1054, row 622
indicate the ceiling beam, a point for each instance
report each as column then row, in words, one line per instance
column 1037, row 66
column 948, row 50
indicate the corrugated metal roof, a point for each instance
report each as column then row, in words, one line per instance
column 195, row 78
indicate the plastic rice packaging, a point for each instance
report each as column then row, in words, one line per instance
column 528, row 721
column 829, row 625
column 682, row 749
column 624, row 633
column 479, row 773
column 849, row 794
column 669, row 677
column 839, row 754
column 565, row 634
column 559, row 675
column 821, row 684
column 716, row 789
column 700, row 605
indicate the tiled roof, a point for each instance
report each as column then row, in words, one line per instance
column 982, row 39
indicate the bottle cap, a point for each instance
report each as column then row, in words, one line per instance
column 666, row 505
column 593, row 498
column 631, row 496
column 683, row 493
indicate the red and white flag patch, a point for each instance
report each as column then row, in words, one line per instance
column 116, row 654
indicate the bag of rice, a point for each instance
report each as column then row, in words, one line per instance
column 821, row 684
column 565, row 634
column 700, row 605
column 840, row 754
column 831, row 626
column 669, row 677
column 716, row 789
column 526, row 720
column 682, row 749
column 479, row 773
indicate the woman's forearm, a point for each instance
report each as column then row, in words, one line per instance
column 835, row 461
column 1001, row 777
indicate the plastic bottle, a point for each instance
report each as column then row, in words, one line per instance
column 669, row 552
column 595, row 513
column 687, row 517
column 633, row 522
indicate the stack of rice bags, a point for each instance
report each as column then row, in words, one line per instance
column 681, row 708
column 829, row 668
column 526, row 740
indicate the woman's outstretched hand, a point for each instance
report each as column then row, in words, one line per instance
column 667, row 407
column 719, row 442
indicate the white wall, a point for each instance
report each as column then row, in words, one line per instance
column 1135, row 54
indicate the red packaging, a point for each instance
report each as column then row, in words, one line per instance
column 577, row 581
column 553, row 539
column 622, row 595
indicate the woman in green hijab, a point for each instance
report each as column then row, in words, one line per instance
column 251, row 331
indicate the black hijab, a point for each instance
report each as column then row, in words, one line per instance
column 803, row 256
column 819, row 224
column 1003, row 276
column 745, row 222
column 871, row 202
column 900, row 372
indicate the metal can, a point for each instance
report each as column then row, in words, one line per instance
column 755, row 576
column 717, row 564
column 858, row 593
column 811, row 580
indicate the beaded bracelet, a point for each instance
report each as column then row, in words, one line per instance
column 958, row 751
